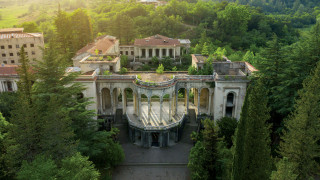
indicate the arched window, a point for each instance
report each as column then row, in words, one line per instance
column 230, row 105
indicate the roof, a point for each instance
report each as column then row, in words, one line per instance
column 157, row 40
column 12, row 30
column 18, row 35
column 8, row 70
column 103, row 43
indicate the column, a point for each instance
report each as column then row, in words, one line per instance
column 124, row 103
column 160, row 53
column 147, row 53
column 140, row 53
column 176, row 102
column 112, row 102
column 161, row 103
column 199, row 92
column 170, row 108
column 139, row 107
column 167, row 53
column 209, row 106
column 174, row 53
column 187, row 101
column 101, row 104
column 149, row 110
column 135, row 104
column 153, row 52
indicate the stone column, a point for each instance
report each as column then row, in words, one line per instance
column 135, row 104
column 147, row 53
column 170, row 108
column 167, row 52
column 209, row 106
column 199, row 92
column 112, row 102
column 174, row 53
column 149, row 110
column 140, row 52
column 160, row 53
column 176, row 101
column 187, row 109
column 139, row 107
column 101, row 103
column 124, row 104
column 153, row 52
column 161, row 105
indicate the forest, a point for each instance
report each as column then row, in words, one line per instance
column 277, row 136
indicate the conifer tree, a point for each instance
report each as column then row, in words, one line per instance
column 252, row 159
column 285, row 170
column 205, row 50
column 303, row 126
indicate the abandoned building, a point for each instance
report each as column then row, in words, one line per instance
column 11, row 41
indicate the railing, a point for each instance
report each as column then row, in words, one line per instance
column 117, row 77
column 154, row 84
column 149, row 127
column 193, row 77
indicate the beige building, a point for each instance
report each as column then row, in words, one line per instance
column 102, row 45
column 11, row 40
column 8, row 78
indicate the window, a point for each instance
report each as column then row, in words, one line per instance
column 9, row 85
column 33, row 53
column 11, row 54
column 121, row 52
column 131, row 53
column 230, row 105
column 17, row 46
column 18, row 53
column 5, row 62
column 127, row 53
column 25, row 45
column 2, row 47
column 31, row 45
column 12, row 61
column 3, row 55
column 111, row 68
column 10, row 46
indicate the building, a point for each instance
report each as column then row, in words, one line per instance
column 102, row 45
column 11, row 41
column 155, row 3
column 156, row 106
column 8, row 78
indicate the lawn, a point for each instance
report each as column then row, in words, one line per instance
column 12, row 14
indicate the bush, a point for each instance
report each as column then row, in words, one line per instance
column 123, row 70
column 227, row 127
column 155, row 61
column 107, row 73
column 160, row 69
column 192, row 70
column 139, row 76
column 167, row 63
column 146, row 67
column 124, row 61
column 174, row 68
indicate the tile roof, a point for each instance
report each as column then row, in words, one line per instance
column 11, row 30
column 8, row 70
column 103, row 43
column 157, row 40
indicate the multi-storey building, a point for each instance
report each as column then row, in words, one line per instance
column 11, row 41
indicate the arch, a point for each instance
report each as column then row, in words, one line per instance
column 106, row 99
column 230, row 104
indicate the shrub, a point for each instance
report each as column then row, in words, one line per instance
column 107, row 73
column 160, row 69
column 192, row 70
column 227, row 127
column 174, row 68
column 139, row 76
column 109, row 58
column 124, row 61
column 146, row 67
column 155, row 60
column 123, row 70
column 167, row 63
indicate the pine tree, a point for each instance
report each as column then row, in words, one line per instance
column 300, row 140
column 205, row 51
column 285, row 170
column 252, row 159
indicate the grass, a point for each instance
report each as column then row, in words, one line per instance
column 11, row 15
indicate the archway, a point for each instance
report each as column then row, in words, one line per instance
column 106, row 100
column 204, row 100
column 230, row 104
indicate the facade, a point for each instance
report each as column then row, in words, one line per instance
column 157, row 106
column 8, row 78
column 158, row 46
column 11, row 40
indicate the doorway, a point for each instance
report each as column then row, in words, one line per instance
column 155, row 139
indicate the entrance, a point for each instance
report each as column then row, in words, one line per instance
column 155, row 139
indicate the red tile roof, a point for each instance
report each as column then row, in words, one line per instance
column 157, row 40
column 103, row 43
column 8, row 70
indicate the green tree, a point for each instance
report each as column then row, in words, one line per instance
column 227, row 127
column 255, row 146
column 7, row 101
column 285, row 170
column 300, row 139
column 30, row 27
column 197, row 161
column 155, row 60
column 4, row 126
column 167, row 63
column 124, row 61
column 205, row 51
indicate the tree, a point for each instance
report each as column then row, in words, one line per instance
column 197, row 161
column 227, row 127
column 167, row 63
column 30, row 27
column 300, row 139
column 160, row 69
column 285, row 170
column 255, row 145
column 124, row 61
column 205, row 51
column 7, row 101
column 155, row 60
column 219, row 53
column 4, row 126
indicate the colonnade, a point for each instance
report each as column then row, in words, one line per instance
column 172, row 102
column 162, row 52
column 7, row 85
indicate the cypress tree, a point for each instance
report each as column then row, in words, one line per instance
column 300, row 139
column 252, row 159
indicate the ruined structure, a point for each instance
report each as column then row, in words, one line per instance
column 11, row 41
